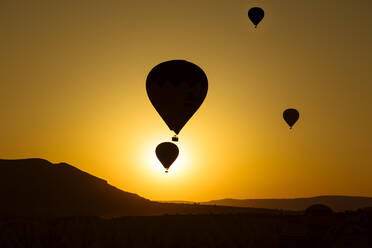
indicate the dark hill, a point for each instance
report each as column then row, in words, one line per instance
column 36, row 187
column 337, row 203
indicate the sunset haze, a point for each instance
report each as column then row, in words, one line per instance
column 72, row 89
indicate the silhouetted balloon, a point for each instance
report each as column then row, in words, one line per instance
column 291, row 116
column 176, row 89
column 318, row 210
column 256, row 15
column 167, row 153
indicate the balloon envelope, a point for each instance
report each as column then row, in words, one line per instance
column 167, row 153
column 256, row 15
column 291, row 116
column 176, row 89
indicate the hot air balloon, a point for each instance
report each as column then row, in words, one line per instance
column 167, row 153
column 291, row 116
column 256, row 15
column 176, row 89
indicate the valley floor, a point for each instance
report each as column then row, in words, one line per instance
column 175, row 231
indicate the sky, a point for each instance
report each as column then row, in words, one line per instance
column 72, row 89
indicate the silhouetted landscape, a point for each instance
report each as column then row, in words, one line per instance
column 337, row 203
column 38, row 188
column 185, row 124
column 58, row 205
column 229, row 230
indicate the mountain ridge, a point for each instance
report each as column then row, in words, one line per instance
column 336, row 202
column 39, row 188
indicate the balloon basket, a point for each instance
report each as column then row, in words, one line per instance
column 175, row 138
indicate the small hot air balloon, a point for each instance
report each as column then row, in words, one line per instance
column 291, row 116
column 176, row 89
column 256, row 15
column 167, row 153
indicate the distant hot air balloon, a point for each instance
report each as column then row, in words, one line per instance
column 176, row 89
column 256, row 15
column 291, row 116
column 167, row 153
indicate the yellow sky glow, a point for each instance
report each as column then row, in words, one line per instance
column 72, row 89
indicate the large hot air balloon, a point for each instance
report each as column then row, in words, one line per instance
column 167, row 153
column 291, row 116
column 256, row 15
column 176, row 89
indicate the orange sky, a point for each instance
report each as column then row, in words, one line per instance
column 72, row 89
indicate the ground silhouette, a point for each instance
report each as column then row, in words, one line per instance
column 339, row 230
column 337, row 203
column 57, row 205
column 36, row 187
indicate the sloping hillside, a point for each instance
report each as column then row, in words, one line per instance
column 337, row 203
column 36, row 187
